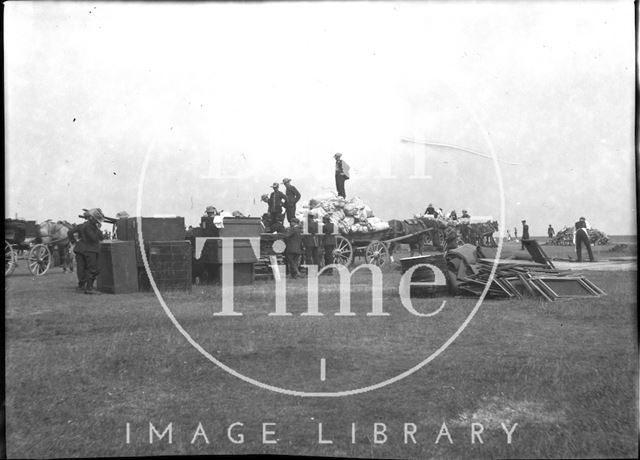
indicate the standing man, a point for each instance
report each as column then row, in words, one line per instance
column 293, row 249
column 582, row 236
column 342, row 174
column 551, row 231
column 525, row 232
column 293, row 196
column 329, row 243
column 311, row 243
column 87, row 237
column 277, row 200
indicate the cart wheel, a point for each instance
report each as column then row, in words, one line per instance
column 377, row 253
column 343, row 253
column 10, row 259
column 39, row 260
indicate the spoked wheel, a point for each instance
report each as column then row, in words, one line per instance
column 39, row 260
column 343, row 253
column 10, row 259
column 377, row 253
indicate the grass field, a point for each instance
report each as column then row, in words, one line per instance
column 79, row 368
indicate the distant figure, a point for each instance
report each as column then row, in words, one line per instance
column 582, row 236
column 293, row 249
column 551, row 231
column 453, row 215
column 508, row 235
column 342, row 174
column 464, row 228
column 515, row 233
column 525, row 232
column 465, row 214
column 293, row 196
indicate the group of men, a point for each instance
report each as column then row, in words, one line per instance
column 432, row 211
column 306, row 245
column 278, row 202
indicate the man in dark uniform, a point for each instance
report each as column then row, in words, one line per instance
column 582, row 236
column 525, row 232
column 311, row 243
column 293, row 196
column 464, row 227
column 87, row 237
column 293, row 249
column 329, row 243
column 342, row 174
column 277, row 200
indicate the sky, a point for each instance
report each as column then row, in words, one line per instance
column 223, row 99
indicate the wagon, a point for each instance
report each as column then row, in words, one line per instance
column 22, row 237
column 376, row 247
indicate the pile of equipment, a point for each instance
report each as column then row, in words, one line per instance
column 350, row 216
column 469, row 272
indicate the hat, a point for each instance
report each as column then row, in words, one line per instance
column 211, row 209
column 285, row 180
column 464, row 210
column 430, row 204
column 582, row 218
column 122, row 214
column 523, row 220
column 96, row 213
column 337, row 155
column 275, row 185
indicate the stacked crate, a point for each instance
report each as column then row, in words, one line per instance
column 167, row 251
column 170, row 264
column 209, row 265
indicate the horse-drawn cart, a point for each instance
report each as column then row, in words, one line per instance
column 376, row 247
column 24, row 237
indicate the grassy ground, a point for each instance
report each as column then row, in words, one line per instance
column 78, row 368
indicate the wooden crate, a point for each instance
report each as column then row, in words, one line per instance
column 118, row 268
column 170, row 265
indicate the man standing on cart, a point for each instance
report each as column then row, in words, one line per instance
column 342, row 174
column 293, row 196
column 87, row 237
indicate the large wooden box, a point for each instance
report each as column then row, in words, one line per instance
column 153, row 229
column 118, row 268
column 170, row 265
column 425, row 275
column 232, row 226
column 242, row 252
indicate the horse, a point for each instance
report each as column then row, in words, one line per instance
column 414, row 227
column 56, row 234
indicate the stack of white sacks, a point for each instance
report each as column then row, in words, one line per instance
column 351, row 215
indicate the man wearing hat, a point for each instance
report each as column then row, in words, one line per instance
column 342, row 174
column 582, row 236
column 293, row 195
column 87, row 237
column 277, row 200
column 525, row 232
column 293, row 248
column 211, row 211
